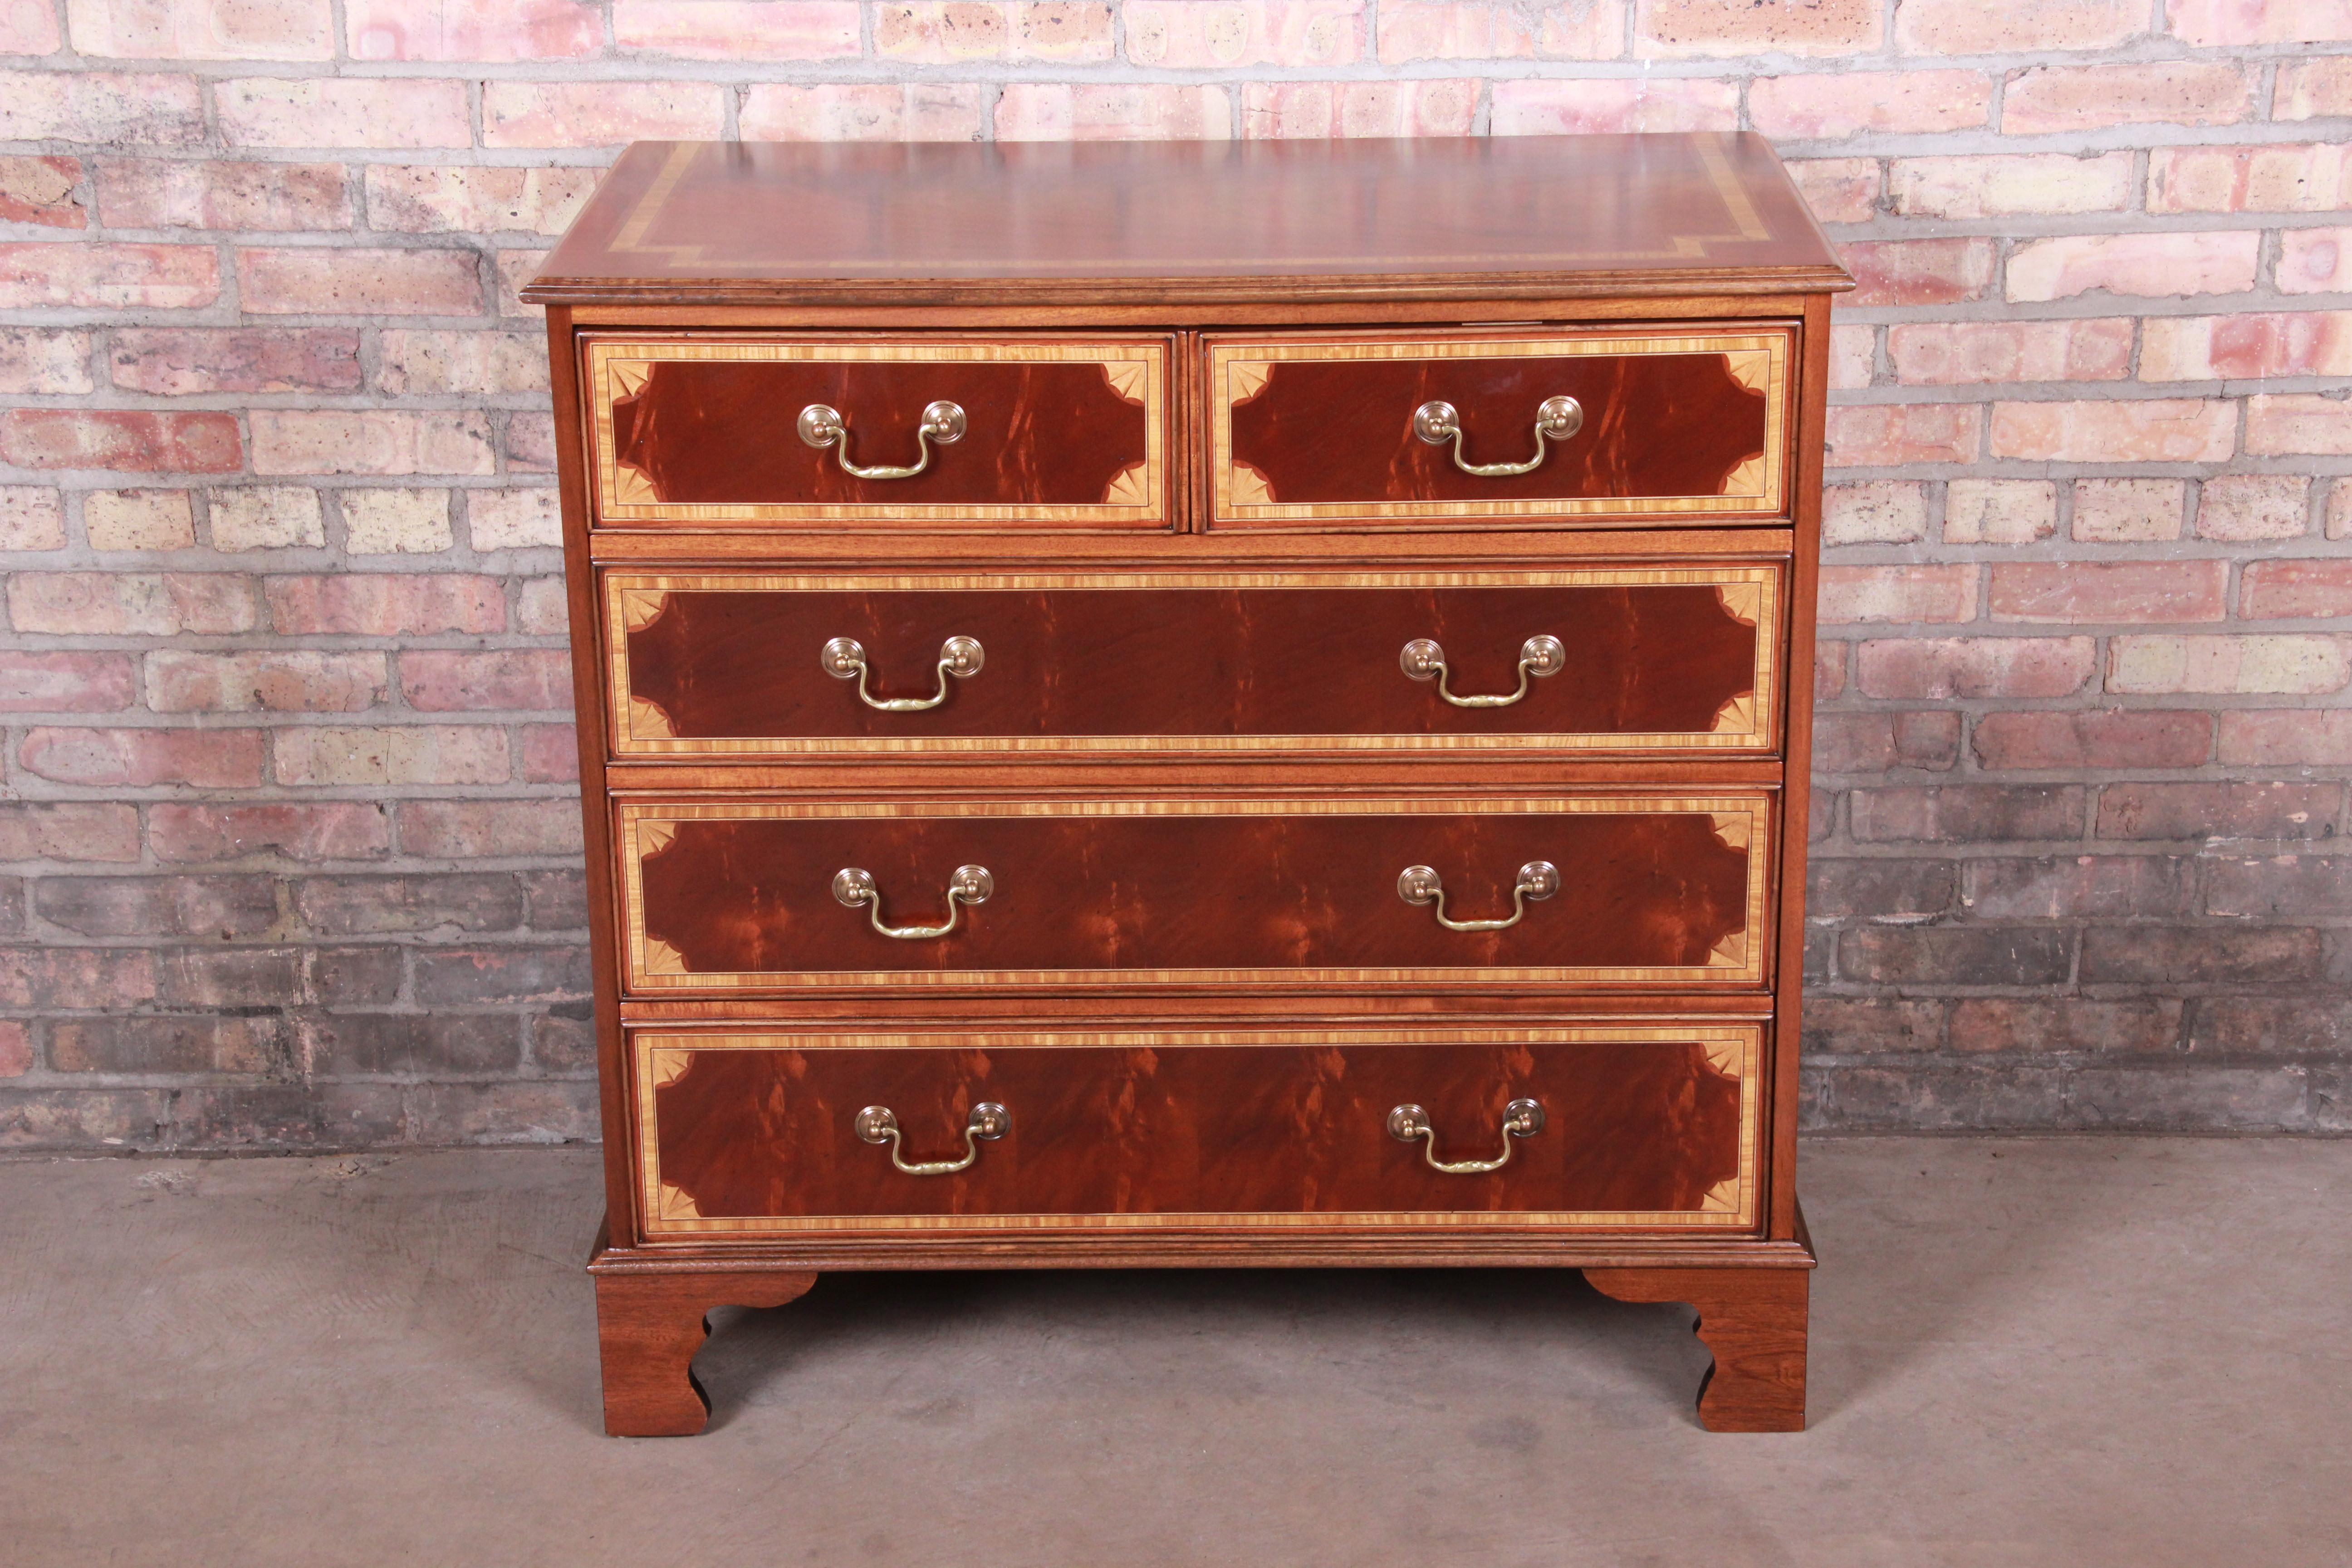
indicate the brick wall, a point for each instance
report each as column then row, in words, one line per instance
column 287, row 844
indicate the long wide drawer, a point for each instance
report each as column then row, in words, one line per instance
column 1648, row 657
column 1496, row 429
column 1637, row 1126
column 890, row 434
column 1602, row 889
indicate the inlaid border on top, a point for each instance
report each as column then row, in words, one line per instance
column 657, row 1056
column 641, row 728
column 1742, row 820
column 1239, row 368
column 1136, row 370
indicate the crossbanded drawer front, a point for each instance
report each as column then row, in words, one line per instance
column 1592, row 890
column 1637, row 1126
column 1646, row 658
column 887, row 434
column 1689, row 423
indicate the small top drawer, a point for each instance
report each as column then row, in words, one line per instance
column 1385, row 430
column 911, row 433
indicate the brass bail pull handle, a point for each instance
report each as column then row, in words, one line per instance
column 1556, row 419
column 969, row 885
column 844, row 658
column 822, row 425
column 1539, row 655
column 1420, row 885
column 1521, row 1119
column 879, row 1124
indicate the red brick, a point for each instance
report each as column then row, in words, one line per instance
column 170, row 361
column 1898, row 434
column 550, row 754
column 1969, row 812
column 792, row 29
column 2274, row 737
column 101, row 108
column 1834, row 104
column 2297, row 590
column 2012, row 1023
column 487, row 829
column 1841, row 1025
column 1828, row 671
column 542, row 608
column 41, row 191
column 68, row 830
column 1874, row 742
column 865, row 111
column 2246, row 346
column 2277, row 884
column 121, row 440
column 344, row 111
column 1420, row 108
column 2207, row 24
column 1940, row 669
column 1181, row 34
column 599, row 113
column 2140, row 810
column 1056, row 111
column 204, row 29
column 318, row 281
column 443, row 682
column 472, row 29
column 160, row 193
column 2098, row 738
column 2314, row 260
column 442, row 198
column 16, row 1045
column 2086, row 98
column 2289, row 177
column 2015, row 27
column 2238, row 508
column 2297, row 425
column 337, row 830
column 531, row 443
column 207, row 759
column 1946, row 354
column 131, row 604
column 75, row 274
column 2143, row 430
column 1851, row 595
column 2147, row 266
column 64, row 682
column 290, row 680
column 384, row 604
column 2097, row 592
column 1706, row 27
column 1536, row 106
column 1918, row 271
column 2077, row 886
column 81, row 977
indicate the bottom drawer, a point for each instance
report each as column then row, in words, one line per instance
column 1635, row 1126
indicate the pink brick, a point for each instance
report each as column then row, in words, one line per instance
column 440, row 198
column 2273, row 737
column 1695, row 28
column 542, row 608
column 513, row 519
column 316, row 281
column 1918, row 271
column 2000, row 512
column 280, row 681
column 344, row 111
column 1880, row 512
column 2115, row 512
column 335, row 830
column 28, row 27
column 2298, row 666
column 121, row 440
column 101, row 108
column 2086, row 98
column 1839, row 189
column 369, row 441
column 2143, row 430
column 472, row 29
column 78, row 275
column 485, row 829
column 1976, row 187
column 434, row 681
column 385, row 604
column 1851, row 351
column 1539, row 107
column 2015, row 27
column 1419, row 107
column 2215, row 22
column 1187, row 35
column 2290, row 177
column 932, row 33
column 2101, row 592
column 2103, row 738
column 131, row 604
column 64, row 683
column 1414, row 30
column 1892, row 435
column 328, row 757
column 2297, row 590
column 1854, row 594
column 31, row 518
column 1941, row 669
column 157, row 192
column 44, row 362
column 169, row 362
column 207, row 758
column 598, row 113
column 751, row 30
column 2300, row 425
column 550, row 754
column 2241, row 507
column 15, row 1042
column 1948, row 353
column 204, row 29
column 1829, row 671
column 2147, row 266
column 1048, row 111
column 424, row 362
column 2314, row 90
column 2339, row 519
column 1831, row 104
column 2315, row 261
column 2213, row 348
column 867, row 111
column 38, row 190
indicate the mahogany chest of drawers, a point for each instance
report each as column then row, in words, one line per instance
column 1194, row 704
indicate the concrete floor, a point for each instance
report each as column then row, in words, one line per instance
column 2067, row 1352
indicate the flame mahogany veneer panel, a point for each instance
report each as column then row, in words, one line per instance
column 1655, row 662
column 1634, row 1129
